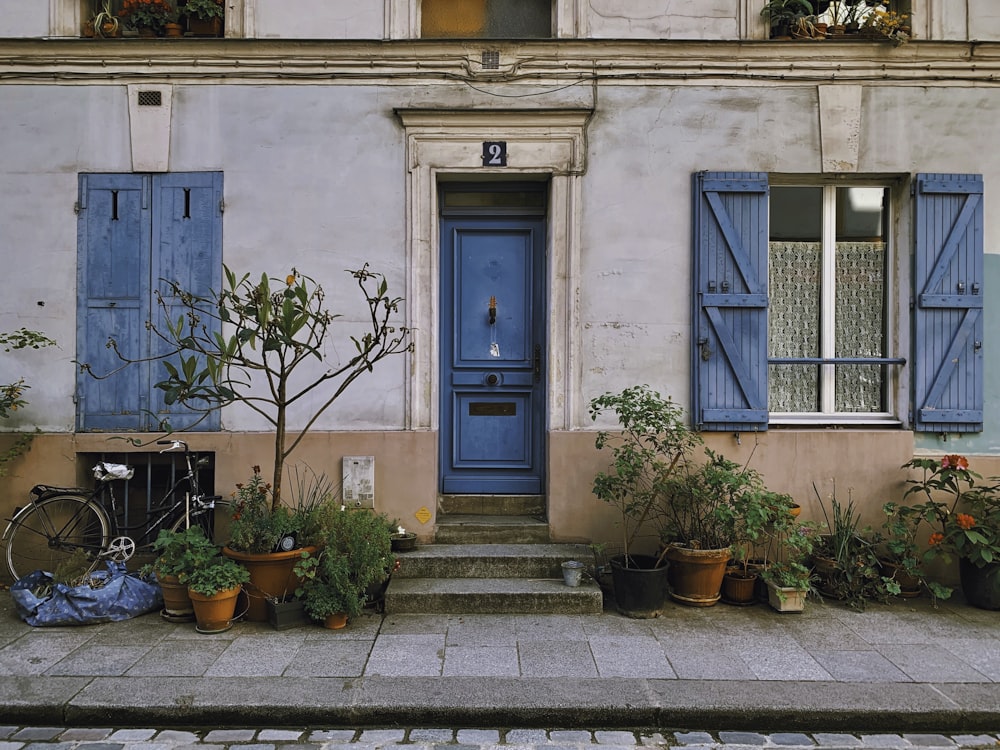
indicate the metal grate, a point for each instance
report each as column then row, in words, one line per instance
column 150, row 98
column 491, row 59
column 155, row 474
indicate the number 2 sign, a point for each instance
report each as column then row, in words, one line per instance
column 494, row 153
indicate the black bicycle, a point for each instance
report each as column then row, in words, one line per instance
column 59, row 521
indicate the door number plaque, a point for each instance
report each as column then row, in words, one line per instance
column 494, row 153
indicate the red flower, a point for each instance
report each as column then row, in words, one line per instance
column 965, row 521
column 936, row 538
column 954, row 461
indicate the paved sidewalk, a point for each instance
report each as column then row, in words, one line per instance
column 899, row 668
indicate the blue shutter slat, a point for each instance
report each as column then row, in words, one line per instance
column 729, row 355
column 112, row 279
column 188, row 250
column 948, row 314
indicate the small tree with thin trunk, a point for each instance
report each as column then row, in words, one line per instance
column 261, row 343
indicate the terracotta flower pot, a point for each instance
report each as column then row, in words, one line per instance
column 271, row 576
column 739, row 589
column 695, row 575
column 176, row 602
column 214, row 614
column 336, row 621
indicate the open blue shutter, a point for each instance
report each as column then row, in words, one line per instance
column 948, row 309
column 729, row 358
column 113, row 299
column 187, row 227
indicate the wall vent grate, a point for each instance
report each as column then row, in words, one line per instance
column 491, row 59
column 150, row 98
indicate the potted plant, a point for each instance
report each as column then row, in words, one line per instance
column 964, row 513
column 214, row 586
column 901, row 553
column 269, row 540
column 357, row 554
column 788, row 577
column 846, row 557
column 148, row 17
column 105, row 22
column 706, row 508
column 178, row 554
column 204, row 17
column 275, row 354
column 784, row 16
column 651, row 441
column 760, row 515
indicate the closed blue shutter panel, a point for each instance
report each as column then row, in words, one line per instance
column 133, row 231
column 729, row 358
column 187, row 225
column 948, row 309
column 113, row 299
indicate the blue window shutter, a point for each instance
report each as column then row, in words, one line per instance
column 729, row 357
column 113, row 293
column 187, row 227
column 948, row 309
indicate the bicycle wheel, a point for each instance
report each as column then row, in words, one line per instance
column 215, row 521
column 49, row 531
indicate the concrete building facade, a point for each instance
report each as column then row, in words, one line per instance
column 633, row 142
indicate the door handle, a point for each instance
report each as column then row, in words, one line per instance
column 538, row 363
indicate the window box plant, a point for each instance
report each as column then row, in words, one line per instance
column 788, row 17
column 148, row 16
column 204, row 17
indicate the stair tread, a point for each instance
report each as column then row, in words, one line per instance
column 493, row 586
column 473, row 519
column 567, row 551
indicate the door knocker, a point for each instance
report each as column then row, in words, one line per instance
column 494, row 346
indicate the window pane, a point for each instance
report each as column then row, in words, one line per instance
column 860, row 298
column 794, row 280
column 486, row 19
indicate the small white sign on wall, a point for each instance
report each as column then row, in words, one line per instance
column 359, row 481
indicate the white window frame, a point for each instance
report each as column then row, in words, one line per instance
column 894, row 386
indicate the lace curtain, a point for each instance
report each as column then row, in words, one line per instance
column 794, row 319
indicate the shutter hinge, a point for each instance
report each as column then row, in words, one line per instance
column 77, row 208
column 222, row 206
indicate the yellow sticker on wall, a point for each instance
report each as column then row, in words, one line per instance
column 423, row 515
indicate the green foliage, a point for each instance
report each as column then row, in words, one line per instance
column 652, row 441
column 179, row 553
column 857, row 576
column 961, row 510
column 780, row 12
column 790, row 568
column 11, row 394
column 357, row 554
column 204, row 9
column 216, row 574
column 271, row 351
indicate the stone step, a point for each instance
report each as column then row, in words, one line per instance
column 491, row 596
column 493, row 529
column 490, row 560
column 492, row 505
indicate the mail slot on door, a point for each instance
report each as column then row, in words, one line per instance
column 492, row 409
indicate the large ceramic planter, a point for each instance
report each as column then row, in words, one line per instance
column 696, row 575
column 271, row 576
column 981, row 586
column 640, row 587
column 215, row 613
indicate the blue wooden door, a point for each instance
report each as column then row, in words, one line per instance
column 492, row 347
